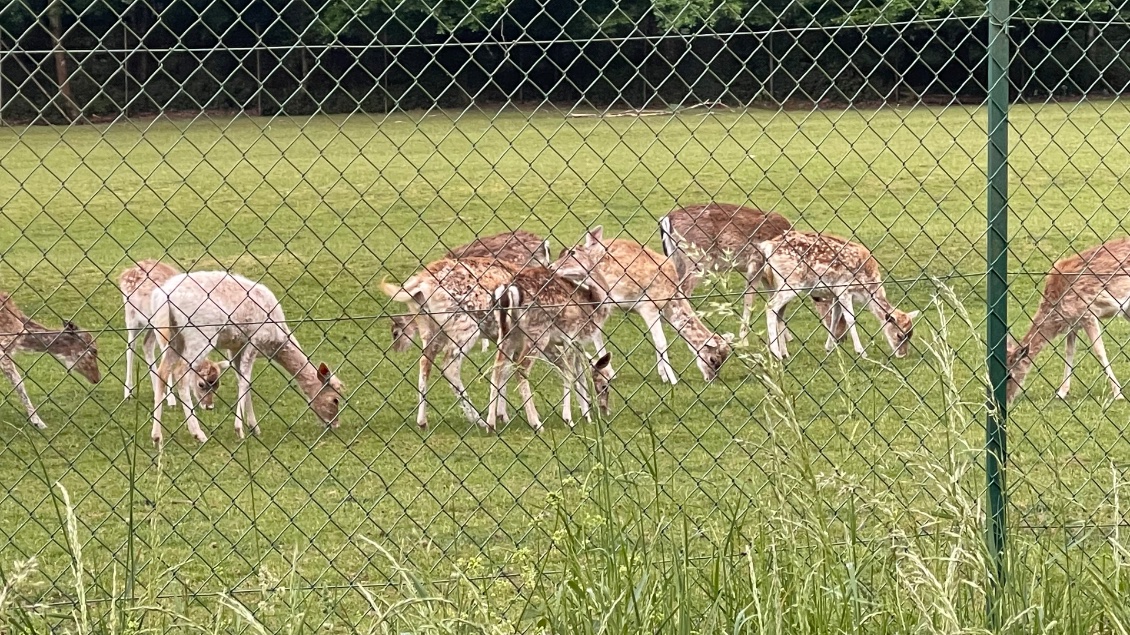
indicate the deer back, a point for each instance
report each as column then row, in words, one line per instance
column 520, row 247
column 715, row 229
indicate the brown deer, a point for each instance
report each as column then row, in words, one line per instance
column 836, row 270
column 1079, row 292
column 137, row 284
column 197, row 312
column 725, row 237
column 640, row 280
column 73, row 347
column 519, row 247
column 552, row 312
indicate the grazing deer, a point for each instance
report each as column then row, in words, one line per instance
column 197, row 312
column 838, row 271
column 137, row 284
column 1079, row 291
column 724, row 237
column 453, row 302
column 73, row 348
column 519, row 247
column 551, row 313
column 641, row 280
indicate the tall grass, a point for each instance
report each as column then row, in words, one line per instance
column 809, row 550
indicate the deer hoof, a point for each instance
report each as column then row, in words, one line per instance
column 38, row 423
column 201, row 438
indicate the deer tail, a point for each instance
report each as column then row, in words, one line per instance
column 397, row 294
column 508, row 300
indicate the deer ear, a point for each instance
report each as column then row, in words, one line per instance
column 603, row 362
column 324, row 373
column 222, row 366
column 913, row 314
column 595, row 236
column 69, row 326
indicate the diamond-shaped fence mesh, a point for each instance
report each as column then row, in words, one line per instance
column 717, row 185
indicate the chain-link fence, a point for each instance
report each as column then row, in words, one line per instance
column 328, row 151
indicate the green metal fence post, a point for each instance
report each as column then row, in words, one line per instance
column 997, row 261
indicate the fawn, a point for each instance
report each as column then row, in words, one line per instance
column 640, row 280
column 838, row 271
column 520, row 247
column 137, row 284
column 454, row 304
column 725, row 237
column 74, row 348
column 1079, row 291
column 197, row 312
column 551, row 312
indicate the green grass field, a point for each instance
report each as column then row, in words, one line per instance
column 322, row 208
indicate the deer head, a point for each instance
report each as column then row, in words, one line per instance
column 327, row 402
column 898, row 328
column 77, row 350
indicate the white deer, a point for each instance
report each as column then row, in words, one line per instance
column 195, row 313
column 137, row 284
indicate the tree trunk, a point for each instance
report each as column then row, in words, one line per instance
column 62, row 73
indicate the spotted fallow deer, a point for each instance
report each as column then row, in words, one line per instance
column 804, row 263
column 197, row 312
column 73, row 347
column 553, row 313
column 519, row 247
column 137, row 284
column 1079, row 292
column 724, row 237
column 640, row 280
column 454, row 303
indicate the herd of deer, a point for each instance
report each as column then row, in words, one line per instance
column 508, row 290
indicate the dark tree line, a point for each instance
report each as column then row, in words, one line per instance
column 81, row 59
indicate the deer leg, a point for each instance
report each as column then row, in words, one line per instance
column 527, row 394
column 498, row 377
column 1068, row 364
column 245, row 414
column 159, row 386
column 8, row 367
column 1094, row 333
column 452, row 371
column 185, row 388
column 561, row 358
column 773, row 324
column 752, row 279
column 580, row 384
column 433, row 348
column 843, row 300
column 149, row 350
column 830, row 314
column 651, row 317
column 131, row 344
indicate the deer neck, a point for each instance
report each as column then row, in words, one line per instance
column 291, row 358
column 37, row 338
column 1039, row 335
column 684, row 320
column 879, row 306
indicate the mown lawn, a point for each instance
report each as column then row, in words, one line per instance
column 322, row 208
